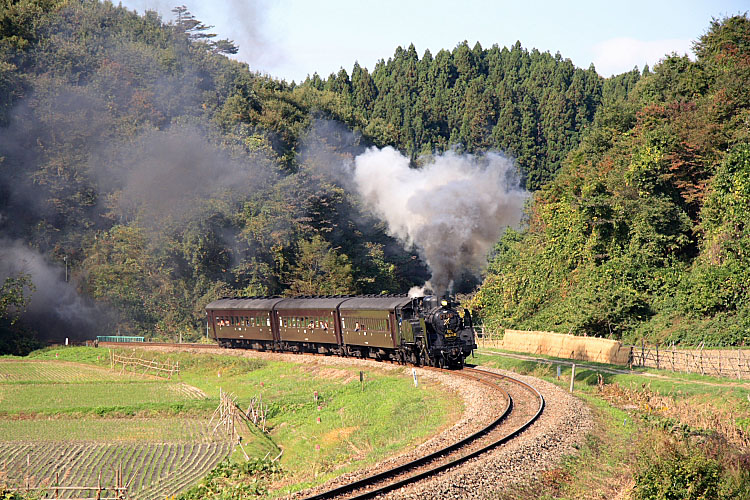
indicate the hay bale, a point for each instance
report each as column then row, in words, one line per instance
column 562, row 345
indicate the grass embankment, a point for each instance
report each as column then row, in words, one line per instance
column 657, row 434
column 70, row 395
column 345, row 429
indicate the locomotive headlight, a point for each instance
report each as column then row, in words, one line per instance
column 444, row 303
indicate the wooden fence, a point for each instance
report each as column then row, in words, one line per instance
column 162, row 369
column 733, row 363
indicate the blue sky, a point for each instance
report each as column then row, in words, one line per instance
column 289, row 39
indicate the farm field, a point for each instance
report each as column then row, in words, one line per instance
column 154, row 470
column 65, row 411
column 70, row 418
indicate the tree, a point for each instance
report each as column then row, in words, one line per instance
column 320, row 270
column 196, row 31
column 15, row 294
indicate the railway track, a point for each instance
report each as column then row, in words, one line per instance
column 524, row 405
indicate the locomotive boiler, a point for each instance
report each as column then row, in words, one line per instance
column 420, row 330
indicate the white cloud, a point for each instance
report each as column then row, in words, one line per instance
column 618, row 55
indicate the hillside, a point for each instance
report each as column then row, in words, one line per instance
column 143, row 174
column 644, row 231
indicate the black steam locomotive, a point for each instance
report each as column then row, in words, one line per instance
column 420, row 330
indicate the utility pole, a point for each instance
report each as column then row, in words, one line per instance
column 65, row 258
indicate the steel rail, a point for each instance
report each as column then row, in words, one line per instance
column 375, row 478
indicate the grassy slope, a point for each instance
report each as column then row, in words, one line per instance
column 356, row 427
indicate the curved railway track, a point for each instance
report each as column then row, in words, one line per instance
column 524, row 406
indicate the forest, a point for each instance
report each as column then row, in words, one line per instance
column 143, row 173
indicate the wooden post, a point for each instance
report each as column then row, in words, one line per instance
column 739, row 364
column 719, row 364
column 643, row 353
column 673, row 355
column 657, row 357
column 572, row 377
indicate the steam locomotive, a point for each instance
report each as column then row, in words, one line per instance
column 420, row 330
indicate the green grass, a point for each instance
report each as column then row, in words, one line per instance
column 101, row 398
column 92, row 429
column 356, row 427
column 18, row 371
column 722, row 391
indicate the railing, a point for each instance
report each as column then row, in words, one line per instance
column 101, row 492
column 118, row 338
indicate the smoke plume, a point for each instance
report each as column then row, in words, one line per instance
column 56, row 309
column 169, row 174
column 453, row 210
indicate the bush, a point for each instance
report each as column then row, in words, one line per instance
column 678, row 470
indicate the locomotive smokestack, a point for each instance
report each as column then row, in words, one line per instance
column 453, row 210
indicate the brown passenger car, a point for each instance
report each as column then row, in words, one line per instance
column 243, row 322
column 371, row 323
column 308, row 323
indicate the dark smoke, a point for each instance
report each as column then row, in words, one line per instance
column 56, row 310
column 168, row 175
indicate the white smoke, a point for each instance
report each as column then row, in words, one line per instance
column 453, row 210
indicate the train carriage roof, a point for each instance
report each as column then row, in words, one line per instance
column 309, row 303
column 385, row 303
column 256, row 304
column 373, row 302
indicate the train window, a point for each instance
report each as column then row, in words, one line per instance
column 268, row 321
